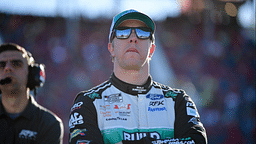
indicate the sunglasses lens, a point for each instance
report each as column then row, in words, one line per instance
column 123, row 33
column 142, row 34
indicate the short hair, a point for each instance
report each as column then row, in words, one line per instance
column 14, row 47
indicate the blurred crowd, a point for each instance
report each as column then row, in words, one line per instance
column 221, row 65
column 219, row 60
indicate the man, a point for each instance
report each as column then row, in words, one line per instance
column 130, row 107
column 22, row 119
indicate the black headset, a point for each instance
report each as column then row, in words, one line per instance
column 36, row 72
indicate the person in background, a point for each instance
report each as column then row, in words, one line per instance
column 131, row 107
column 22, row 119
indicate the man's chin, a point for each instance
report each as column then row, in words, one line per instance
column 132, row 66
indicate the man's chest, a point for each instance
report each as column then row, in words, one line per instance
column 18, row 131
column 119, row 109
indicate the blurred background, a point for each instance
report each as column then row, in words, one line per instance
column 206, row 47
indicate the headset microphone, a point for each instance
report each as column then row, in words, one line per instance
column 5, row 81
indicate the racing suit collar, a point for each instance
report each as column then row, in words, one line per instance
column 130, row 88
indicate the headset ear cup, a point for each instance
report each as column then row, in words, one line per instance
column 36, row 76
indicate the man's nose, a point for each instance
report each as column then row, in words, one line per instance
column 8, row 66
column 133, row 37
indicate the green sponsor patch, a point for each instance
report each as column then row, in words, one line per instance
column 116, row 135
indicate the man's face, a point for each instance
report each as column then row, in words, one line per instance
column 131, row 53
column 14, row 65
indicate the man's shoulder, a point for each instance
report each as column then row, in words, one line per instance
column 42, row 114
column 95, row 92
column 169, row 92
column 45, row 114
column 50, row 126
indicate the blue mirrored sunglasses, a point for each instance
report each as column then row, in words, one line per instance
column 125, row 32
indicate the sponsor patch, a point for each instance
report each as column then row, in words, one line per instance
column 192, row 112
column 139, row 89
column 28, row 134
column 123, row 106
column 193, row 120
column 77, row 132
column 83, row 142
column 172, row 94
column 76, row 106
column 94, row 95
column 104, row 107
column 116, row 119
column 156, row 103
column 155, row 96
column 75, row 119
column 175, row 141
column 114, row 98
column 191, row 109
column 140, row 135
column 123, row 113
column 190, row 104
column 156, row 109
column 106, row 113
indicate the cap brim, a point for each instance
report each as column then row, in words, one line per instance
column 138, row 16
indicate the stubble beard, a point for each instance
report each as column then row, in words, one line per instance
column 131, row 64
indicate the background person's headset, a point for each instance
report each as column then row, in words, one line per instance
column 36, row 72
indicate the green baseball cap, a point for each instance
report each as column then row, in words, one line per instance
column 131, row 14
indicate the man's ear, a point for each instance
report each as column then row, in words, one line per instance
column 111, row 49
column 152, row 50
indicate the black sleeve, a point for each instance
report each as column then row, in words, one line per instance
column 54, row 134
column 187, row 125
column 83, row 123
column 50, row 127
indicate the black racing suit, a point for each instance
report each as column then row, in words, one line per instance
column 35, row 125
column 116, row 111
